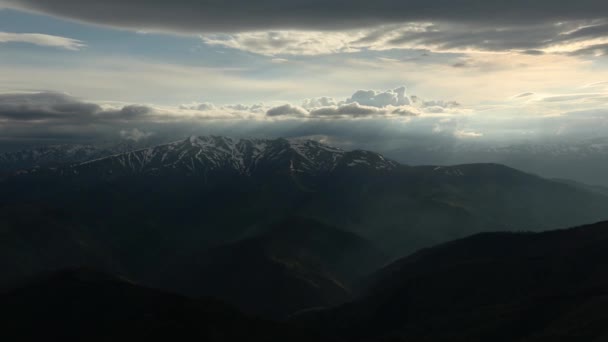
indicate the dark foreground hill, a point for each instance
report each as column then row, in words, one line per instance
column 298, row 264
column 549, row 286
column 86, row 305
column 514, row 287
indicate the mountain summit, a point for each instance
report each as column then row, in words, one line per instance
column 209, row 154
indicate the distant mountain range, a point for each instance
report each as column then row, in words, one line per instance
column 203, row 215
column 583, row 160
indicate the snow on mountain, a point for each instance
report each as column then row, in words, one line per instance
column 49, row 156
column 243, row 156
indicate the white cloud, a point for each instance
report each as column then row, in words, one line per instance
column 319, row 102
column 461, row 134
column 277, row 43
column 395, row 97
column 42, row 40
column 279, row 60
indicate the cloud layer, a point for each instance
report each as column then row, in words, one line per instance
column 575, row 37
column 391, row 114
column 240, row 15
column 42, row 40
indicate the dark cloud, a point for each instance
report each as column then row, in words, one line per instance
column 44, row 106
column 593, row 50
column 238, row 15
column 58, row 108
column 49, row 116
column 528, row 38
column 287, row 109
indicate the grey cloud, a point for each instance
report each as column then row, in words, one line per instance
column 57, row 108
column 533, row 52
column 135, row 134
column 287, row 109
column 439, row 103
column 239, row 15
column 351, row 109
column 131, row 112
column 199, row 106
column 44, row 106
column 255, row 108
column 527, row 38
column 383, row 131
column 593, row 50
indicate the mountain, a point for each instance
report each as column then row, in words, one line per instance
column 582, row 160
column 48, row 156
column 592, row 188
column 503, row 286
column 87, row 305
column 550, row 286
column 205, row 156
column 297, row 264
column 59, row 155
column 152, row 209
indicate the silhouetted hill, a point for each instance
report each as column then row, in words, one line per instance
column 550, row 286
column 297, row 264
column 515, row 287
column 86, row 305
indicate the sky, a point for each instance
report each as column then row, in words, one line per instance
column 353, row 71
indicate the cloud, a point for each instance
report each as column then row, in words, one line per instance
column 42, row 40
column 287, row 109
column 135, row 134
column 319, row 102
column 298, row 27
column 396, row 97
column 44, row 107
column 51, row 108
column 279, row 60
column 199, row 106
column 573, row 37
column 353, row 109
column 272, row 43
column 239, row 15
column 522, row 95
column 61, row 117
column 467, row 134
column 367, row 103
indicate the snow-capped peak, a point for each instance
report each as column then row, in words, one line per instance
column 203, row 154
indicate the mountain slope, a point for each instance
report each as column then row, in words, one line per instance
column 86, row 305
column 145, row 210
column 204, row 155
column 297, row 264
column 489, row 287
column 60, row 155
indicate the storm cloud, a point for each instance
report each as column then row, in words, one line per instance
column 240, row 15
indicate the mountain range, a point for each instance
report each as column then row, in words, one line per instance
column 583, row 160
column 300, row 222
